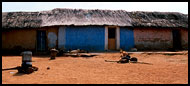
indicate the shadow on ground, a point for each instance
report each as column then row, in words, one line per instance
column 141, row 63
column 18, row 74
column 14, row 68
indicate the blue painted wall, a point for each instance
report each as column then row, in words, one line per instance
column 89, row 38
column 126, row 38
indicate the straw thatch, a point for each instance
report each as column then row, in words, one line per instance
column 158, row 19
column 85, row 17
column 21, row 20
column 65, row 17
column 81, row 17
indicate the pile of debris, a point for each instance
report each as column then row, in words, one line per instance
column 76, row 53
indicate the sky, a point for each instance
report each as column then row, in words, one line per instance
column 181, row 7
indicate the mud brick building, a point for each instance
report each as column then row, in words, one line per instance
column 93, row 30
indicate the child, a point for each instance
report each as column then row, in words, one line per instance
column 125, row 56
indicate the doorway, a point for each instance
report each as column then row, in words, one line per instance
column 112, row 38
column 41, row 40
column 176, row 39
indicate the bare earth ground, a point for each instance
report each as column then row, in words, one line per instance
column 160, row 69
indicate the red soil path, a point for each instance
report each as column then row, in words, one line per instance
column 160, row 69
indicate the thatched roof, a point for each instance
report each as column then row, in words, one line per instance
column 21, row 20
column 83, row 17
column 158, row 19
column 65, row 17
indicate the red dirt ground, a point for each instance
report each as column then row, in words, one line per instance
column 160, row 69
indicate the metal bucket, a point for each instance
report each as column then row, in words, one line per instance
column 27, row 57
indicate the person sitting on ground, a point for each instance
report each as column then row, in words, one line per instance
column 125, row 55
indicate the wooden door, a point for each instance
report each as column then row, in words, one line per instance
column 111, row 38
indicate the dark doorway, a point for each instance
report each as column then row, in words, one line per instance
column 41, row 40
column 111, row 38
column 176, row 39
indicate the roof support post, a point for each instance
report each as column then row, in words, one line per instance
column 106, row 38
column 117, row 38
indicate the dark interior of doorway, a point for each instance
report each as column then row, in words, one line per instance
column 176, row 39
column 111, row 33
column 41, row 40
